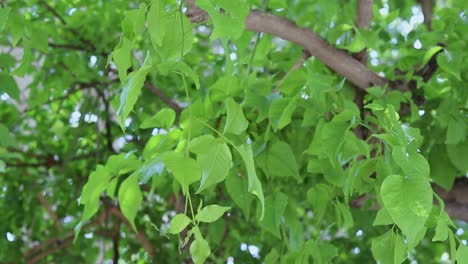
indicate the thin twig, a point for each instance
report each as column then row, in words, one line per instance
column 153, row 89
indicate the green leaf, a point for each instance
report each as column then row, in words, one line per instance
column 237, row 188
column 430, row 53
column 215, row 162
column 185, row 170
column 229, row 24
column 412, row 163
column 255, row 186
column 9, row 86
column 319, row 196
column 211, row 213
column 236, row 122
column 97, row 183
column 122, row 58
column 199, row 250
column 456, row 130
column 4, row 12
column 280, row 112
column 274, row 211
column 442, row 229
column 458, row 155
column 442, row 170
column 179, row 223
column 122, row 163
column 383, row 217
column 409, row 201
column 6, row 138
column 2, row 166
column 164, row 118
column 39, row 40
column 389, row 248
column 462, row 254
column 170, row 31
column 130, row 198
column 281, row 161
column 131, row 91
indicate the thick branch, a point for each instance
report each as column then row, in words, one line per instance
column 427, row 7
column 338, row 60
column 364, row 13
column 49, row 210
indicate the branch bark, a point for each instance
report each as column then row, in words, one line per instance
column 338, row 60
column 153, row 89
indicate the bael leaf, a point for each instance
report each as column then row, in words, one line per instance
column 164, row 118
column 179, row 223
column 4, row 12
column 6, row 138
column 409, row 201
column 281, row 161
column 211, row 213
column 389, row 248
column 280, row 112
column 185, row 170
column 462, row 254
column 130, row 198
column 255, row 186
column 236, row 122
column 131, row 91
column 412, row 164
column 274, row 210
column 229, row 24
column 215, row 162
column 9, row 86
column 199, row 250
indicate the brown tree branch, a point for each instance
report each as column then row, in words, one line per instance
column 153, row 89
column 338, row 60
column 140, row 235
column 49, row 210
column 427, row 7
column 363, row 21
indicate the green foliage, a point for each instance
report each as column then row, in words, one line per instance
column 206, row 141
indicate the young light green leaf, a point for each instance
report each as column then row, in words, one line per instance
column 462, row 254
column 164, row 118
column 413, row 164
column 171, row 33
column 131, row 91
column 409, row 201
column 255, row 186
column 383, row 217
column 185, row 170
column 130, row 198
column 97, row 183
column 229, row 24
column 6, row 138
column 9, row 86
column 281, row 161
column 236, row 122
column 211, row 213
column 215, row 162
column 200, row 250
column 389, row 248
column 179, row 223
column 122, row 58
column 4, row 12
